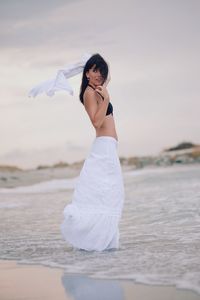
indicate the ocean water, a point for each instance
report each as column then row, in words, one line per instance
column 159, row 228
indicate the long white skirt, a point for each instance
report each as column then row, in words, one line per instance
column 91, row 219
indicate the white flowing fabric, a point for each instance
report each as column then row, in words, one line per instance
column 91, row 219
column 59, row 82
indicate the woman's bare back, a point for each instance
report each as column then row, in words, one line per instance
column 107, row 128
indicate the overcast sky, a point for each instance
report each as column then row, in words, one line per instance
column 153, row 51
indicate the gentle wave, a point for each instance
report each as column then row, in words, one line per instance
column 42, row 187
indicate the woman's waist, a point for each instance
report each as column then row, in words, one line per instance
column 107, row 131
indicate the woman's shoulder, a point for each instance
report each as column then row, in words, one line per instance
column 88, row 90
column 89, row 94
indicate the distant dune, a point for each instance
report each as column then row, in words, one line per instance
column 10, row 168
column 184, row 146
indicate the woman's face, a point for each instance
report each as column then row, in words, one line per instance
column 95, row 77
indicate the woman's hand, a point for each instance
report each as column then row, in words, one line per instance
column 102, row 90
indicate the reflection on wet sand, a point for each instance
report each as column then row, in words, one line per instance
column 82, row 287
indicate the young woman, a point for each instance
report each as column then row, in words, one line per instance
column 91, row 220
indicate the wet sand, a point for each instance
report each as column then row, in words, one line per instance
column 20, row 281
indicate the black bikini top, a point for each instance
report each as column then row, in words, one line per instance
column 110, row 107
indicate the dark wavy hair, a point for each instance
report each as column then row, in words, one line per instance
column 100, row 64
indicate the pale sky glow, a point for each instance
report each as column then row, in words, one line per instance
column 153, row 51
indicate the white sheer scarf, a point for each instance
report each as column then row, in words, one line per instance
column 59, row 82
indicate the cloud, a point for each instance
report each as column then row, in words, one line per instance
column 152, row 48
column 59, row 24
column 14, row 10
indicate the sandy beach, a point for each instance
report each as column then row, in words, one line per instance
column 20, row 281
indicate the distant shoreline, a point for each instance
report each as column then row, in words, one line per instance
column 135, row 162
column 183, row 153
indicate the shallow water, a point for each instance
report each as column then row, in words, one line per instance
column 159, row 229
